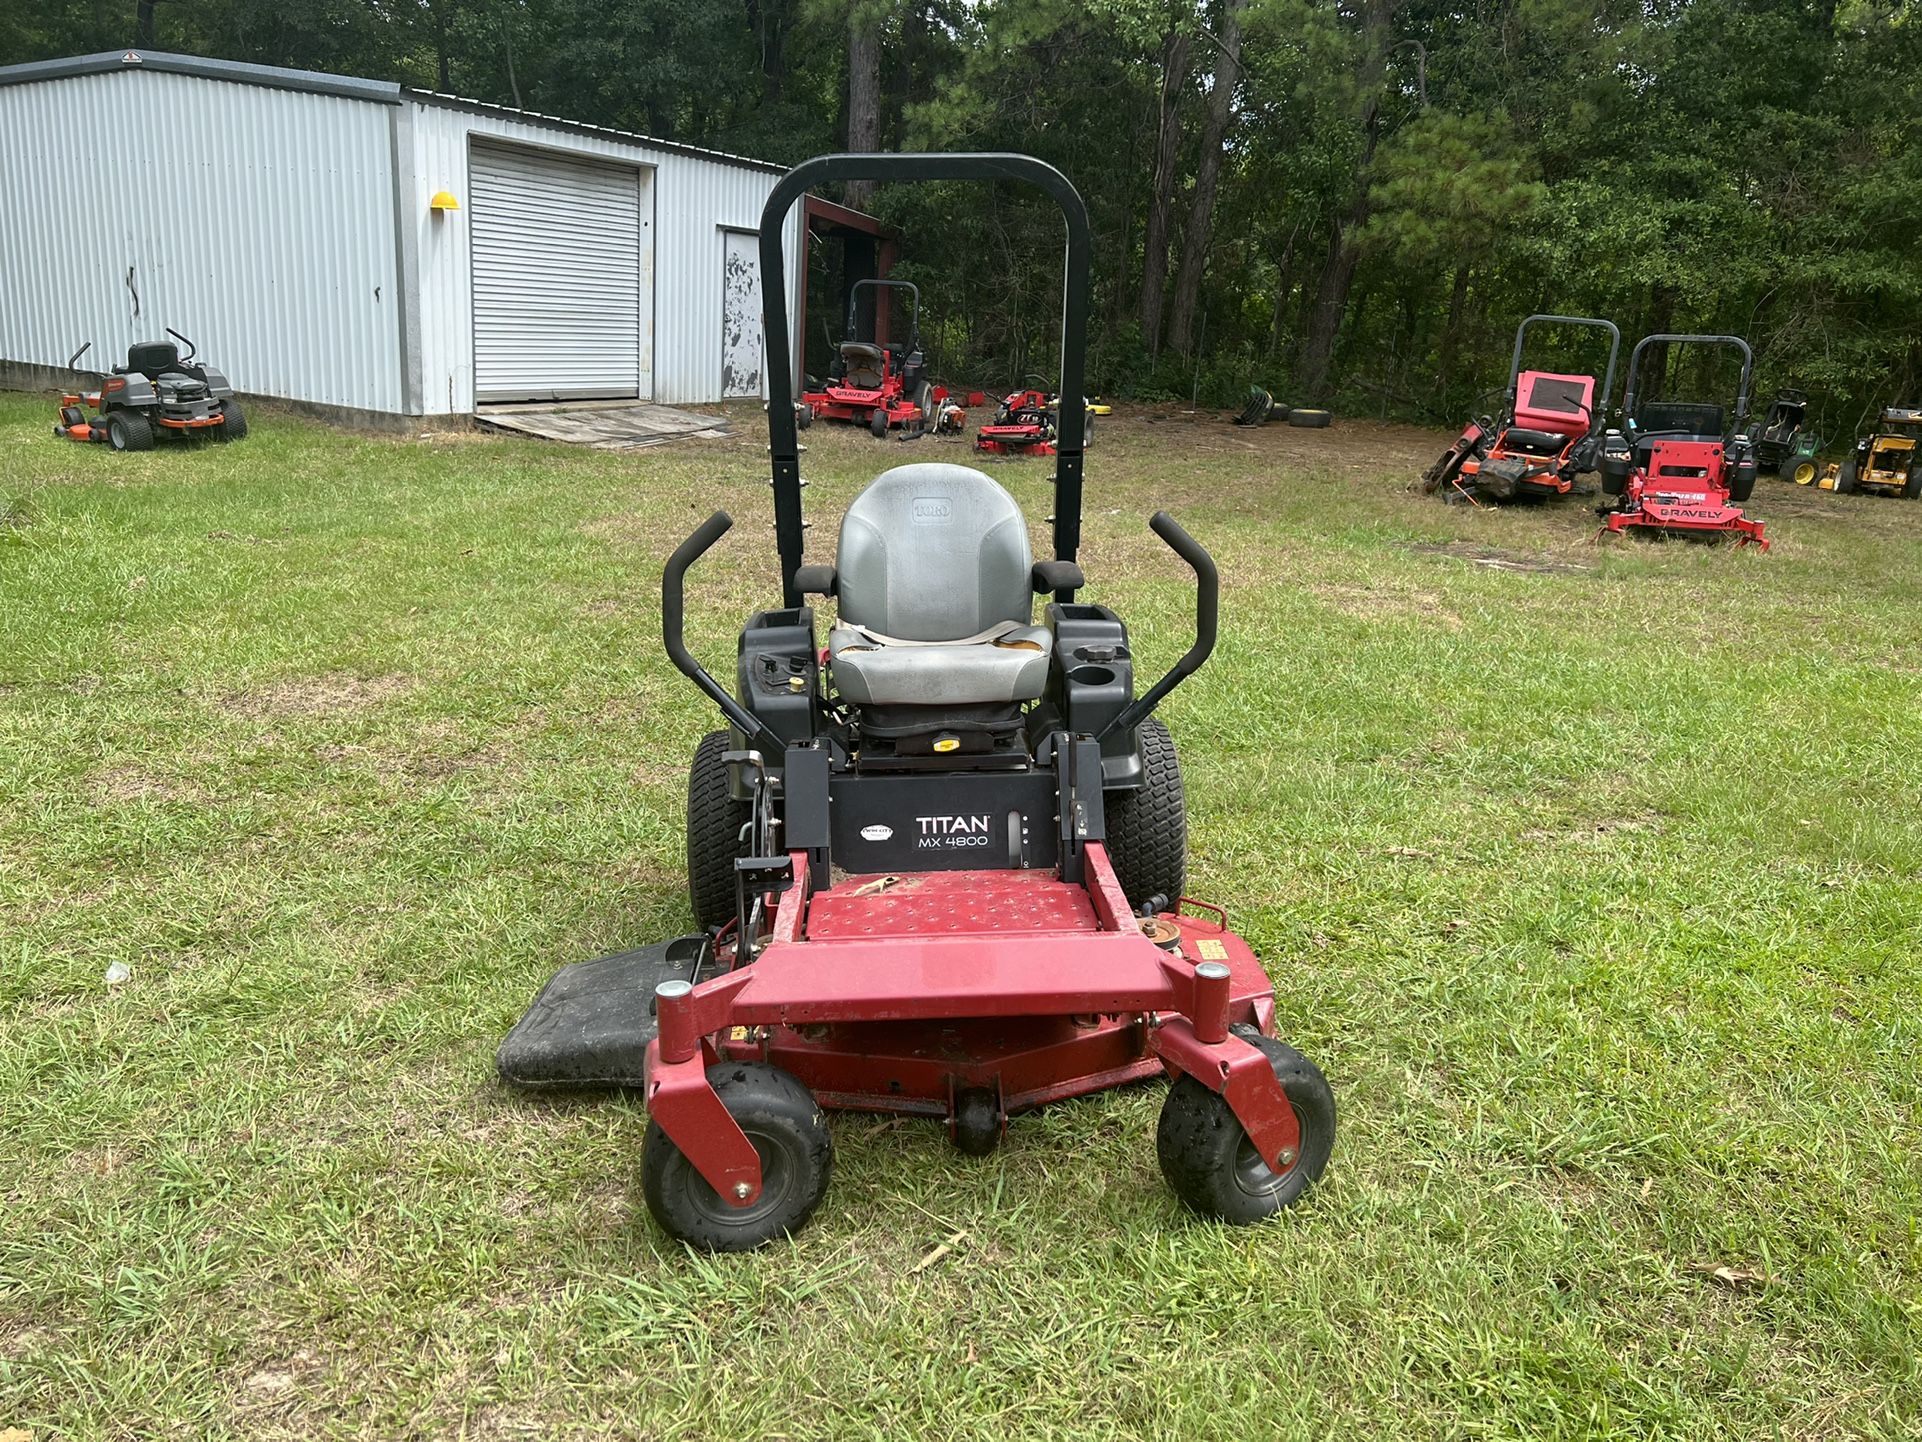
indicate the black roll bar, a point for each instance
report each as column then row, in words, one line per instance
column 784, row 436
column 1741, row 394
column 914, row 314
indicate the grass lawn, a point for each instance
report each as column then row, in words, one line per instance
column 1592, row 879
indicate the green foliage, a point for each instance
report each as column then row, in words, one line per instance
column 1751, row 166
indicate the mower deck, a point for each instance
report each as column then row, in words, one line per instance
column 1688, row 515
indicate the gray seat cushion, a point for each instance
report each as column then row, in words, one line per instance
column 1012, row 667
column 936, row 553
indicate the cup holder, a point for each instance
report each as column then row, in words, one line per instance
column 1092, row 676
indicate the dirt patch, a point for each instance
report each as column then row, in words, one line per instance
column 1494, row 558
column 1351, row 448
column 315, row 695
column 123, row 784
column 1378, row 603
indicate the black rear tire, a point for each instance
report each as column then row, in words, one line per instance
column 1845, row 478
column 129, row 431
column 924, row 403
column 235, row 426
column 1313, row 420
column 1912, row 488
column 714, row 822
column 1208, row 1160
column 797, row 1159
column 1148, row 828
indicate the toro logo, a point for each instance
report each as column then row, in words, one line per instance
column 942, row 832
column 931, row 508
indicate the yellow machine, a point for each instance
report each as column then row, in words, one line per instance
column 1886, row 461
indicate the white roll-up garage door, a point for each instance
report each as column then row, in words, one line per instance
column 560, row 309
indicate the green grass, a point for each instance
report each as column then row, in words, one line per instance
column 1595, row 890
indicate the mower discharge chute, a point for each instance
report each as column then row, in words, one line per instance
column 1545, row 435
column 157, row 393
column 940, row 862
column 1886, row 461
column 879, row 384
column 1676, row 466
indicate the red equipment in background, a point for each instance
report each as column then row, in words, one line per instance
column 1028, row 423
column 1677, row 466
column 1545, row 435
column 881, row 385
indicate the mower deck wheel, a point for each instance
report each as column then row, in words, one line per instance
column 790, row 1135
column 1148, row 827
column 878, row 423
column 235, row 425
column 129, row 431
column 714, row 823
column 1209, row 1161
column 1313, row 420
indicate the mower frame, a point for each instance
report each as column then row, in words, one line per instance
column 1675, row 480
column 885, row 952
column 1491, row 450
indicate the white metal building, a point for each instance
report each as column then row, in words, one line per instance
column 298, row 227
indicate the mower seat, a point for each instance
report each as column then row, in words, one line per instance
column 935, row 581
column 1531, row 442
column 1555, row 405
column 152, row 359
column 863, row 365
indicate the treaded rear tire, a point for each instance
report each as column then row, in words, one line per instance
column 714, row 822
column 1148, row 828
column 1309, row 419
column 129, row 431
column 1845, row 478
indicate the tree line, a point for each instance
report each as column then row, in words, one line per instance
column 1347, row 200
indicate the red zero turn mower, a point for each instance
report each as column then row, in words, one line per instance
column 1677, row 465
column 157, row 393
column 1545, row 436
column 1028, row 423
column 941, row 862
column 880, row 386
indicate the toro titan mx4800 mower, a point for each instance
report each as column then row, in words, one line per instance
column 1028, row 423
column 1545, row 436
column 1677, row 465
column 158, row 392
column 881, row 384
column 941, row 861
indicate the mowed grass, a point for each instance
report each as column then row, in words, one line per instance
column 1592, row 879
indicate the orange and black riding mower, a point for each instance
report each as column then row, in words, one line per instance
column 157, row 393
column 1548, row 431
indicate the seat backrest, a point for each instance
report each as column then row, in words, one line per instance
column 863, row 364
column 934, row 552
column 152, row 357
column 1562, row 405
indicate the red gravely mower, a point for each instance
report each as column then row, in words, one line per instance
column 940, row 863
column 1028, row 423
column 1676, row 465
column 1545, row 435
column 882, row 386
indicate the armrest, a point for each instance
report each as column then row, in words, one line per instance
column 816, row 580
column 1057, row 576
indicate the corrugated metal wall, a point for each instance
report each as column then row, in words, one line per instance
column 694, row 202
column 258, row 221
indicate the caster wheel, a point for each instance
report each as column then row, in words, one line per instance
column 1214, row 1168
column 797, row 1157
column 878, row 424
column 977, row 1122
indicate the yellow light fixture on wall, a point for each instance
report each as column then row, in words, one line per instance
column 443, row 200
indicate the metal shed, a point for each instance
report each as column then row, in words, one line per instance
column 367, row 247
